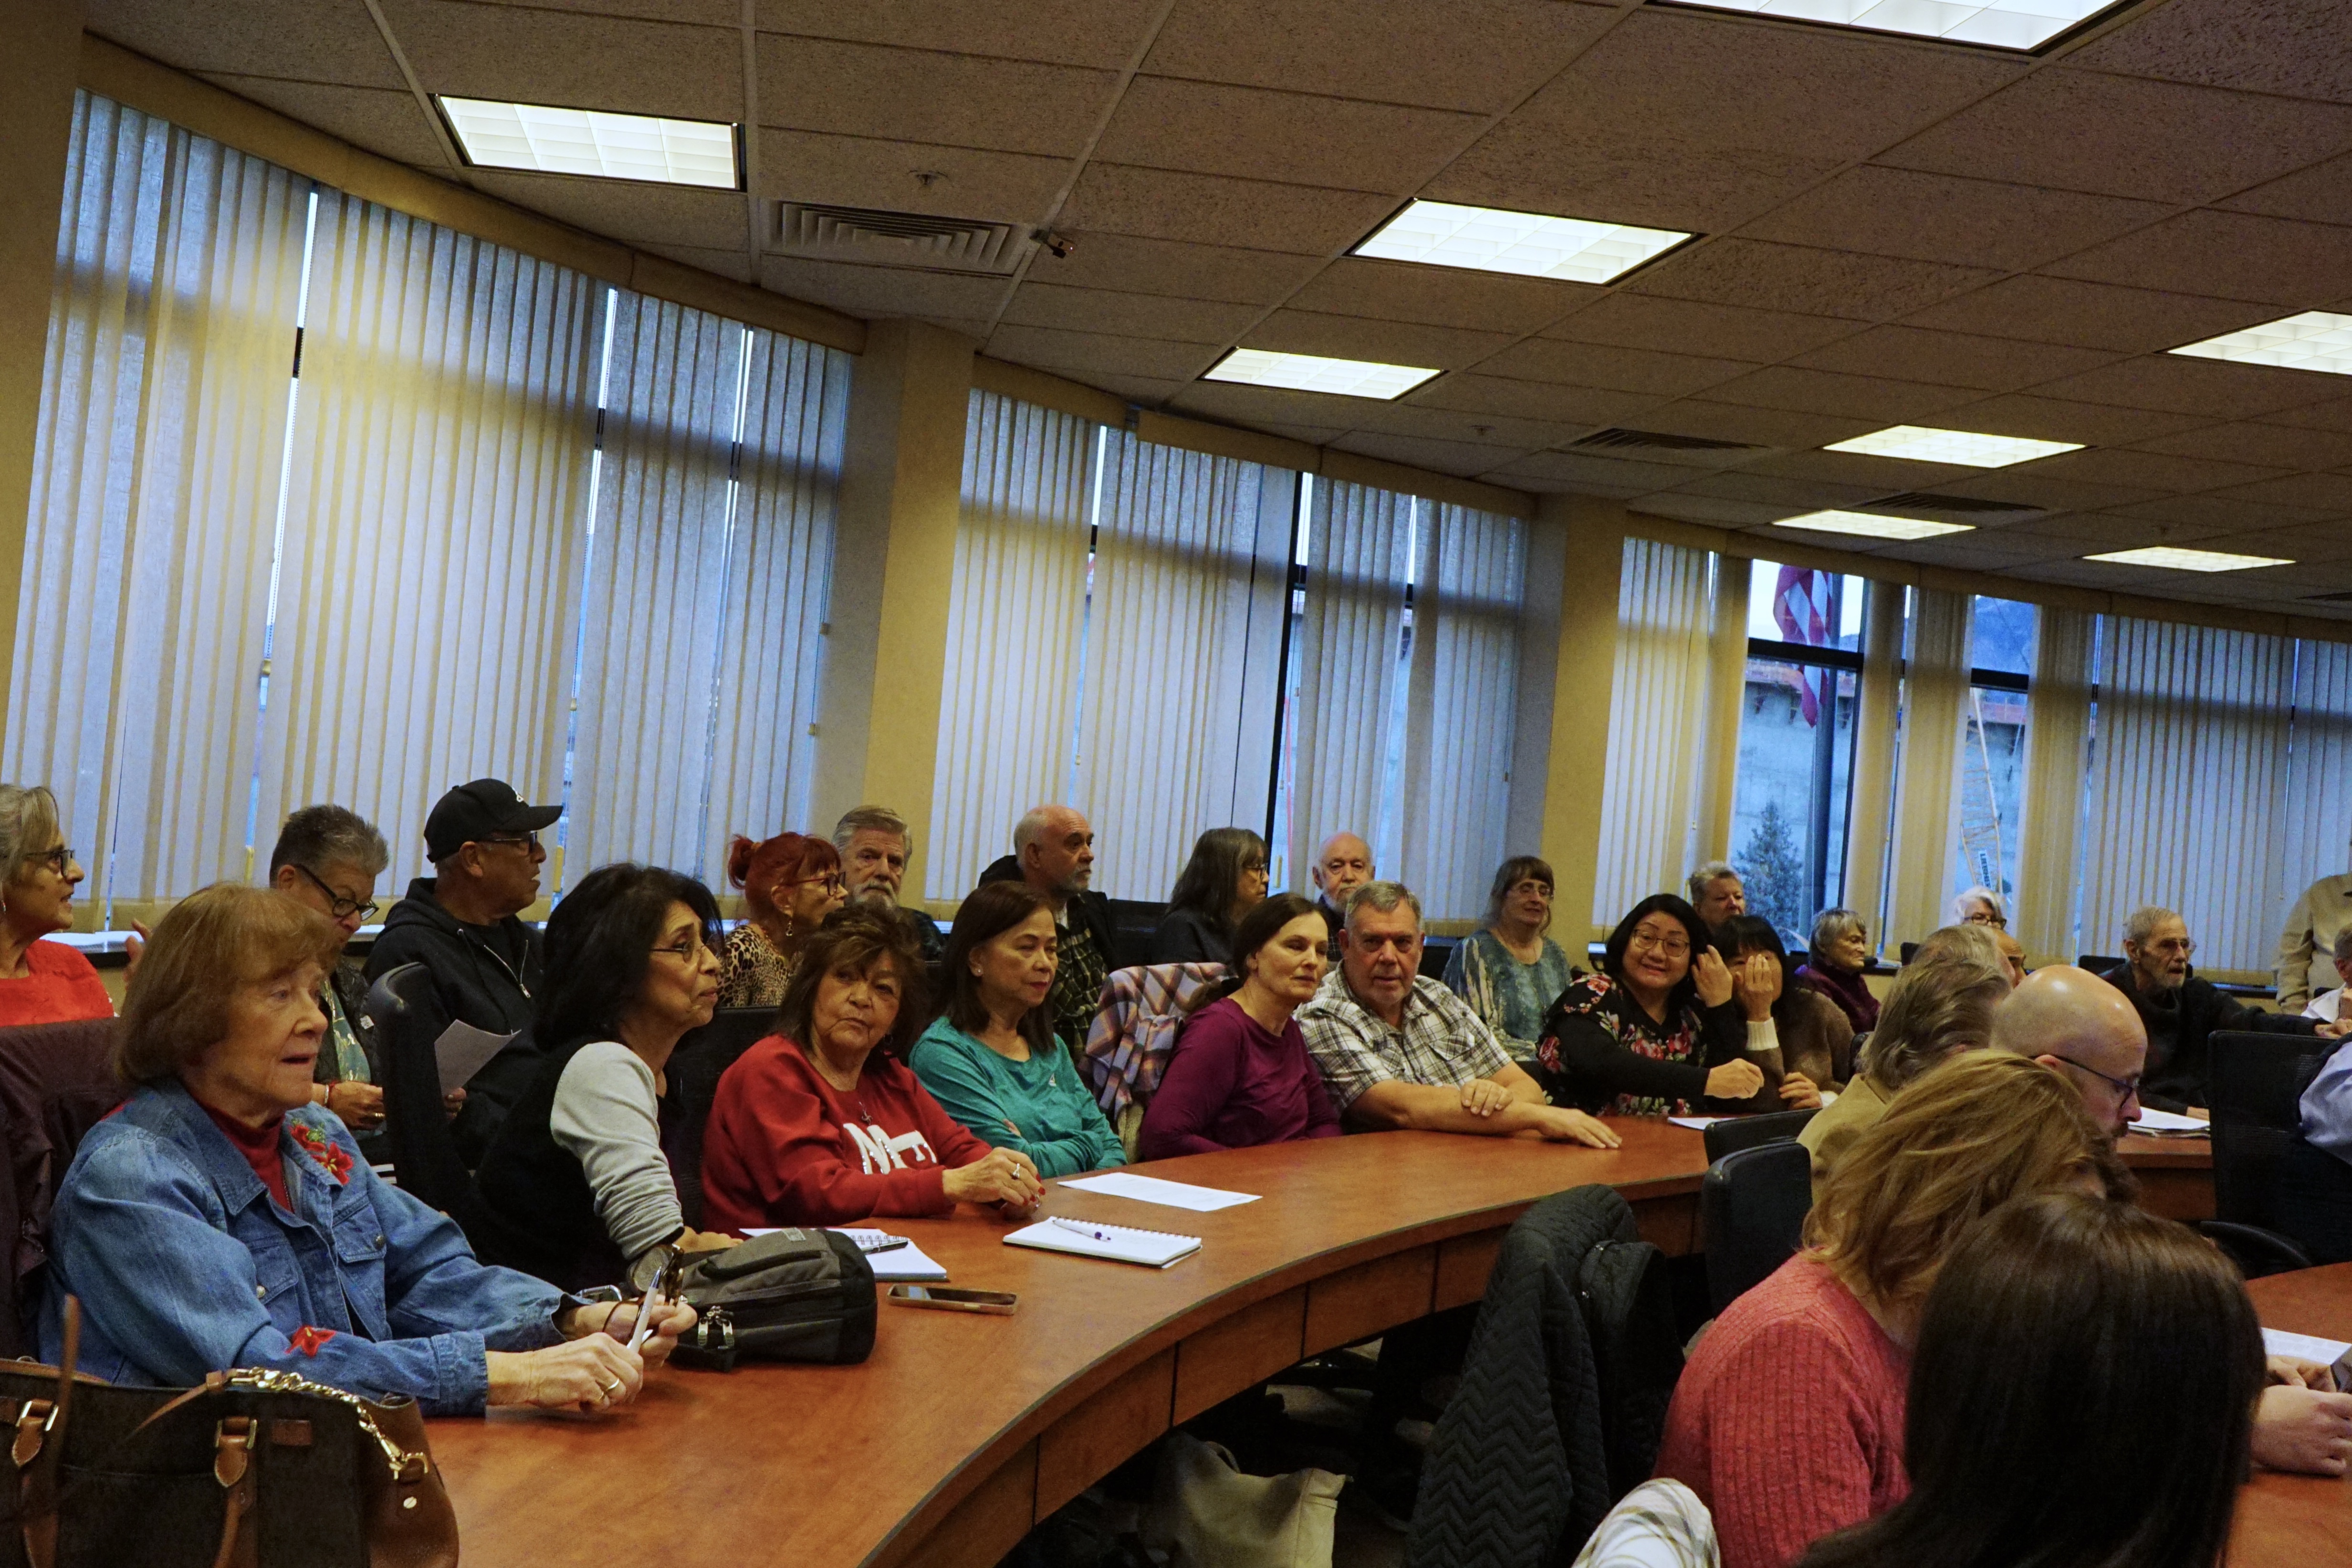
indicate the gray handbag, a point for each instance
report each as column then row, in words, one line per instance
column 790, row 1295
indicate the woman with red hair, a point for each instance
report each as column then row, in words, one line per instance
column 790, row 884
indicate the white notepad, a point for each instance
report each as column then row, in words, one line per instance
column 1152, row 1190
column 904, row 1261
column 1090, row 1238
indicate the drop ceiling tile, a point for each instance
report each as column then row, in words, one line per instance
column 291, row 40
column 2089, row 315
column 971, row 326
column 1313, row 435
column 1627, row 179
column 1871, row 398
column 2121, row 136
column 2321, row 194
column 907, row 176
column 1791, row 496
column 1470, row 392
column 2336, row 414
column 387, row 124
column 1038, row 304
column 2030, row 487
column 1616, row 369
column 1163, row 203
column 1690, row 327
column 672, row 215
column 1980, row 551
column 1475, row 55
column 584, row 62
column 2103, row 576
column 1597, row 474
column 1952, row 359
column 1360, row 337
column 1799, row 279
column 1463, row 458
column 2310, row 545
column 1935, row 217
column 2234, row 255
column 1440, row 296
column 1144, row 391
column 2085, row 531
column 1087, row 353
column 2150, row 470
column 1712, row 421
column 1104, row 34
column 1210, row 128
column 1750, row 515
column 2249, row 443
column 1886, row 474
column 2219, row 513
column 918, row 95
column 1263, row 407
column 1143, row 266
column 1408, row 417
column 2290, row 47
column 2181, row 386
column 735, row 264
column 2057, row 420
column 2330, row 493
column 877, row 291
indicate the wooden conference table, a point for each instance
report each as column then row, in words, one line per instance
column 962, row 1430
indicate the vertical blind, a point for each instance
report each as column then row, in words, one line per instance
column 1657, row 739
column 1016, row 623
column 1935, row 695
column 2058, row 716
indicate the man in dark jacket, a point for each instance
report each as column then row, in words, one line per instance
column 2182, row 1011
column 1053, row 852
column 461, row 924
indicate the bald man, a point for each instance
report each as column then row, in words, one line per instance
column 1054, row 853
column 2073, row 1020
column 1341, row 866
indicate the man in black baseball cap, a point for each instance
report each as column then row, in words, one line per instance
column 461, row 924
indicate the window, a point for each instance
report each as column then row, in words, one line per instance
column 1796, row 742
column 1989, row 813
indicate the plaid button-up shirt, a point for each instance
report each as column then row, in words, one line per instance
column 1440, row 1042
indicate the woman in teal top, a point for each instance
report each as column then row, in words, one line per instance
column 1509, row 972
column 990, row 1059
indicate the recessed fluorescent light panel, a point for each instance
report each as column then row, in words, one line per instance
column 1313, row 373
column 1994, row 24
column 2316, row 340
column 2175, row 560
column 1921, row 445
column 590, row 141
column 1871, row 525
column 1488, row 239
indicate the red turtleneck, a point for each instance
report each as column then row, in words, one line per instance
column 259, row 1145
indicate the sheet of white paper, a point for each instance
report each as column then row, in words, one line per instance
column 2167, row 1121
column 2309, row 1347
column 1696, row 1123
column 1152, row 1190
column 462, row 1051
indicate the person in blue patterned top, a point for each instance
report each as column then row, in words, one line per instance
column 1510, row 972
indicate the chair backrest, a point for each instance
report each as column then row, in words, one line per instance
column 2098, row 962
column 1734, row 1134
column 1907, row 951
column 1134, row 1033
column 1436, row 952
column 2256, row 1082
column 57, row 1081
column 702, row 1058
column 426, row 1161
column 1751, row 1213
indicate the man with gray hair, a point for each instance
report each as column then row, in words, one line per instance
column 1053, row 852
column 2307, row 946
column 328, row 858
column 2327, row 1007
column 875, row 846
column 1717, row 893
column 1398, row 1049
column 2180, row 1010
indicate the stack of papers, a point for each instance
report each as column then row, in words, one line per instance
column 2170, row 1124
column 2332, row 1353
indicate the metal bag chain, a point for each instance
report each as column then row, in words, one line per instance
column 406, row 1468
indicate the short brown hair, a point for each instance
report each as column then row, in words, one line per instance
column 859, row 939
column 1966, row 1138
column 211, row 944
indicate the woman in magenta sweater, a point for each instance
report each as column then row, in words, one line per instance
column 823, row 1123
column 1241, row 1075
column 1787, row 1421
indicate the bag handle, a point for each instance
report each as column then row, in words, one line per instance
column 37, row 1458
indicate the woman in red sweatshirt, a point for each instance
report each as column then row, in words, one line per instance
column 1787, row 1421
column 823, row 1122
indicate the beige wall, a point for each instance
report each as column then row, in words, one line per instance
column 1583, row 675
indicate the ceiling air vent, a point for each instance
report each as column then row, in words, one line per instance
column 1657, row 441
column 1927, row 500
column 915, row 240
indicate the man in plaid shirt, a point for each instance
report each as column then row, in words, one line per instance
column 1398, row 1049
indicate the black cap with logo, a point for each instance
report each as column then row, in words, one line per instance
column 483, row 809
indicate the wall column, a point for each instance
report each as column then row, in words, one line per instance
column 1583, row 683
column 36, row 125
column 893, row 568
column 1727, row 701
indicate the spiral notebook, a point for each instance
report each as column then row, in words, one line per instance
column 1123, row 1244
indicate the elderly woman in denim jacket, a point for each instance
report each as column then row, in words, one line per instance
column 220, row 1219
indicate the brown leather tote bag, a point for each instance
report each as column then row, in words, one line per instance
column 249, row 1469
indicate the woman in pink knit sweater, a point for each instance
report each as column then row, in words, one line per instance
column 1787, row 1421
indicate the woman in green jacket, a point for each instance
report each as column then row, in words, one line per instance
column 990, row 1059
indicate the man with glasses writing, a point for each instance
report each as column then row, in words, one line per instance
column 2181, row 1011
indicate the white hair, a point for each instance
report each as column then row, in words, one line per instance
column 1707, row 876
column 1979, row 895
column 2144, row 919
column 1383, row 897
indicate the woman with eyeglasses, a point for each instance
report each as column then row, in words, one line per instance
column 1508, row 971
column 40, row 982
column 327, row 860
column 1224, row 880
column 790, row 883
column 1658, row 1031
column 575, row 1188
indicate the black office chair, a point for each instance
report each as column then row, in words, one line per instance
column 1908, row 951
column 1737, row 1133
column 1436, row 951
column 1752, row 1206
column 2256, row 1083
column 426, row 1161
column 693, row 1074
column 2096, row 962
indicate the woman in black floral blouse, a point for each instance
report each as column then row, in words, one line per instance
column 1658, row 1031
